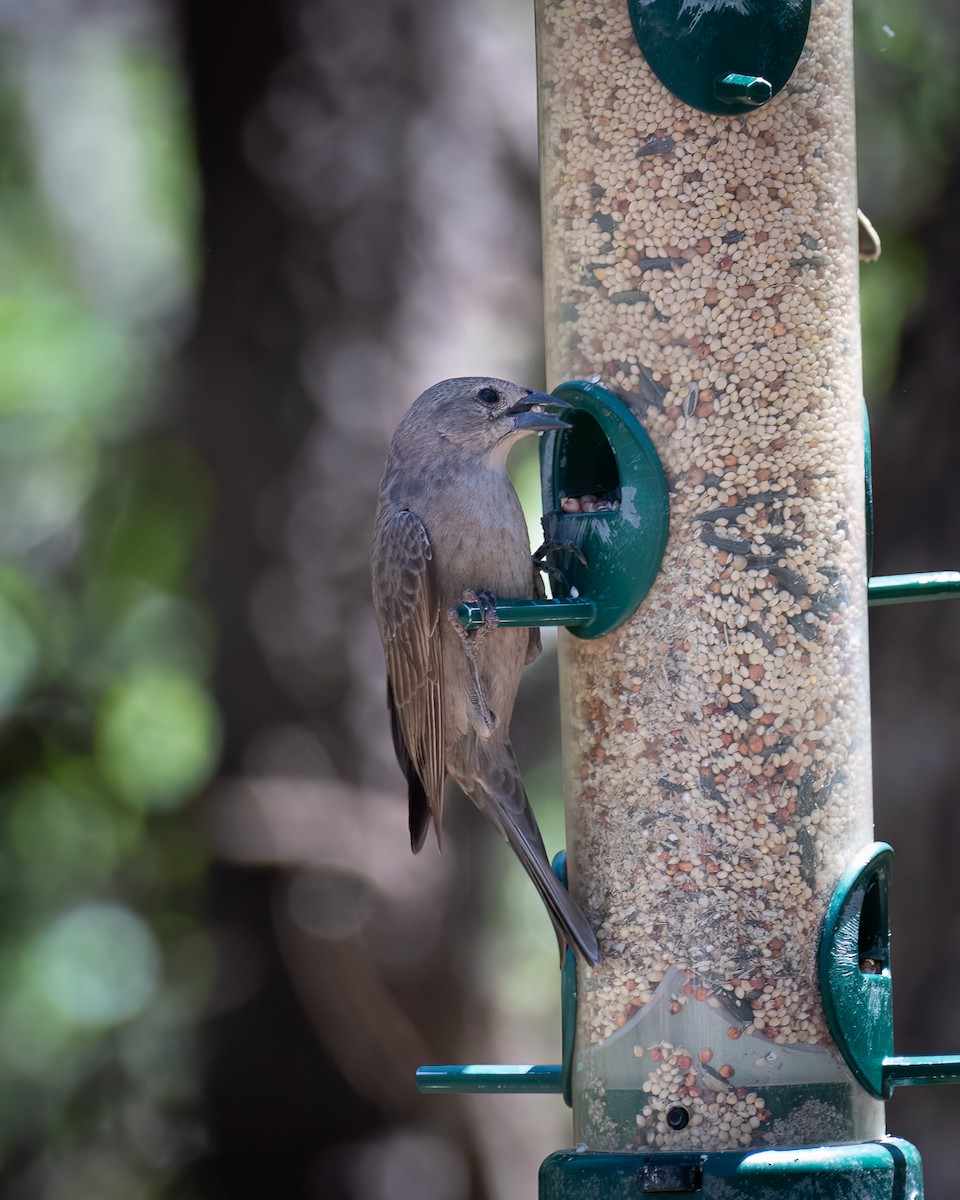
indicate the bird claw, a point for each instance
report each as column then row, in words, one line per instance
column 554, row 574
column 551, row 547
column 486, row 602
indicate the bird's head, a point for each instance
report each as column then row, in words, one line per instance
column 486, row 416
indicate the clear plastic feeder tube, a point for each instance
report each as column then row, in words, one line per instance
column 717, row 747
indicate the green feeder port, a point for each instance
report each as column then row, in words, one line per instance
column 857, row 986
column 722, row 58
column 607, row 548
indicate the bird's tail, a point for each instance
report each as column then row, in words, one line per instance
column 502, row 796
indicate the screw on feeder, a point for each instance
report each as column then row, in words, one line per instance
column 743, row 89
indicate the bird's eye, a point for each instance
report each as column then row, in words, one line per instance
column 488, row 396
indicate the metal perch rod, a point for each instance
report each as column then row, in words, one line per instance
column 882, row 589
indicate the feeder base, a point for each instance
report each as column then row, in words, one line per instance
column 888, row 1169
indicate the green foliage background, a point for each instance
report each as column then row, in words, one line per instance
column 108, row 728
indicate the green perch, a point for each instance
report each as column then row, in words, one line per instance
column 580, row 610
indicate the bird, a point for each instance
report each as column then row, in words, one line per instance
column 449, row 528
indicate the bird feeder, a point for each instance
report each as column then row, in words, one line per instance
column 698, row 178
column 717, row 746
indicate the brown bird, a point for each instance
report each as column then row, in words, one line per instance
column 449, row 527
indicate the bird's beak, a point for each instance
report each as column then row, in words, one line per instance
column 533, row 412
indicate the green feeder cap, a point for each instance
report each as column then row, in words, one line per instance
column 721, row 56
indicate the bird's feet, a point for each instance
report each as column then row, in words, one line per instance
column 557, row 548
column 486, row 602
column 552, row 572
column 482, row 717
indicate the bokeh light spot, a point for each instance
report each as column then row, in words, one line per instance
column 157, row 738
column 97, row 965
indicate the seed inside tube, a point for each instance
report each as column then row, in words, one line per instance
column 588, row 503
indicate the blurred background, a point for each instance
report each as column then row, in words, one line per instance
column 235, row 242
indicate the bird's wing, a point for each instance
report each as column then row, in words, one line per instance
column 408, row 607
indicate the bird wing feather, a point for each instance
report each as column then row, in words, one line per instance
column 407, row 600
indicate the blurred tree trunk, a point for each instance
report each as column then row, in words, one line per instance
column 302, row 117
